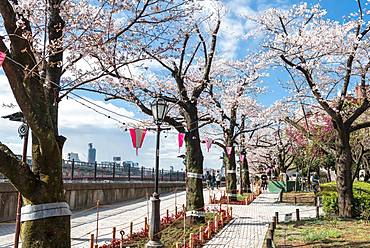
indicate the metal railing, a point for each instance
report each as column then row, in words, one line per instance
column 75, row 170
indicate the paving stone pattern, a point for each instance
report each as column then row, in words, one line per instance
column 250, row 223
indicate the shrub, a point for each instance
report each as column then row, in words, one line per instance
column 330, row 203
column 361, row 202
column 361, row 199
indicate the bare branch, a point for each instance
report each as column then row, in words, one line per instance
column 17, row 172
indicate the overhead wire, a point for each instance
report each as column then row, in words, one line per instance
column 97, row 111
column 106, row 109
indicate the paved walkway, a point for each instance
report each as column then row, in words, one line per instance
column 119, row 215
column 250, row 223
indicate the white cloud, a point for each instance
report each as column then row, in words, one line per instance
column 74, row 115
column 235, row 25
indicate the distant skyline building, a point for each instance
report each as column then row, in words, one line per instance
column 73, row 156
column 116, row 159
column 91, row 154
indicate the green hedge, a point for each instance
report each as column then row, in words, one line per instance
column 361, row 199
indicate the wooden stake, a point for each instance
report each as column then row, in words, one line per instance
column 317, row 212
column 216, row 223
column 91, row 240
column 146, row 224
column 297, row 214
column 97, row 221
column 191, row 243
column 131, row 228
column 114, row 233
column 201, row 235
column 175, row 210
column 167, row 214
column 231, row 212
column 209, row 233
column 274, row 222
column 270, row 233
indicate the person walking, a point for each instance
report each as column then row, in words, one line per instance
column 213, row 180
column 264, row 182
column 218, row 179
column 208, row 179
column 315, row 182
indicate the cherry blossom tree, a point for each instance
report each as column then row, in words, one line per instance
column 182, row 75
column 314, row 136
column 52, row 47
column 328, row 56
column 231, row 107
column 273, row 148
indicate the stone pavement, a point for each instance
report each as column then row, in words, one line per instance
column 250, row 223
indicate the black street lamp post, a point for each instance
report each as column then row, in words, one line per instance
column 23, row 133
column 159, row 110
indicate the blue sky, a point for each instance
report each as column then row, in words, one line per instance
column 82, row 126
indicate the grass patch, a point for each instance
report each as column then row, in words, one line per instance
column 322, row 233
column 309, row 235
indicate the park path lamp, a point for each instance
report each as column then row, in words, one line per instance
column 23, row 133
column 159, row 111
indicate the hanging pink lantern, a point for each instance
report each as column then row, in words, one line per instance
column 137, row 137
column 241, row 157
column 209, row 143
column 2, row 58
column 180, row 139
column 229, row 149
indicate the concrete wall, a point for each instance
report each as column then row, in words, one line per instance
column 85, row 195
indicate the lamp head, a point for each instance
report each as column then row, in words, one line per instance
column 18, row 116
column 159, row 110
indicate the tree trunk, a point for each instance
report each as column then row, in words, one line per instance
column 37, row 98
column 194, row 165
column 246, row 182
column 329, row 175
column 230, row 163
column 53, row 231
column 344, row 174
column 49, row 232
